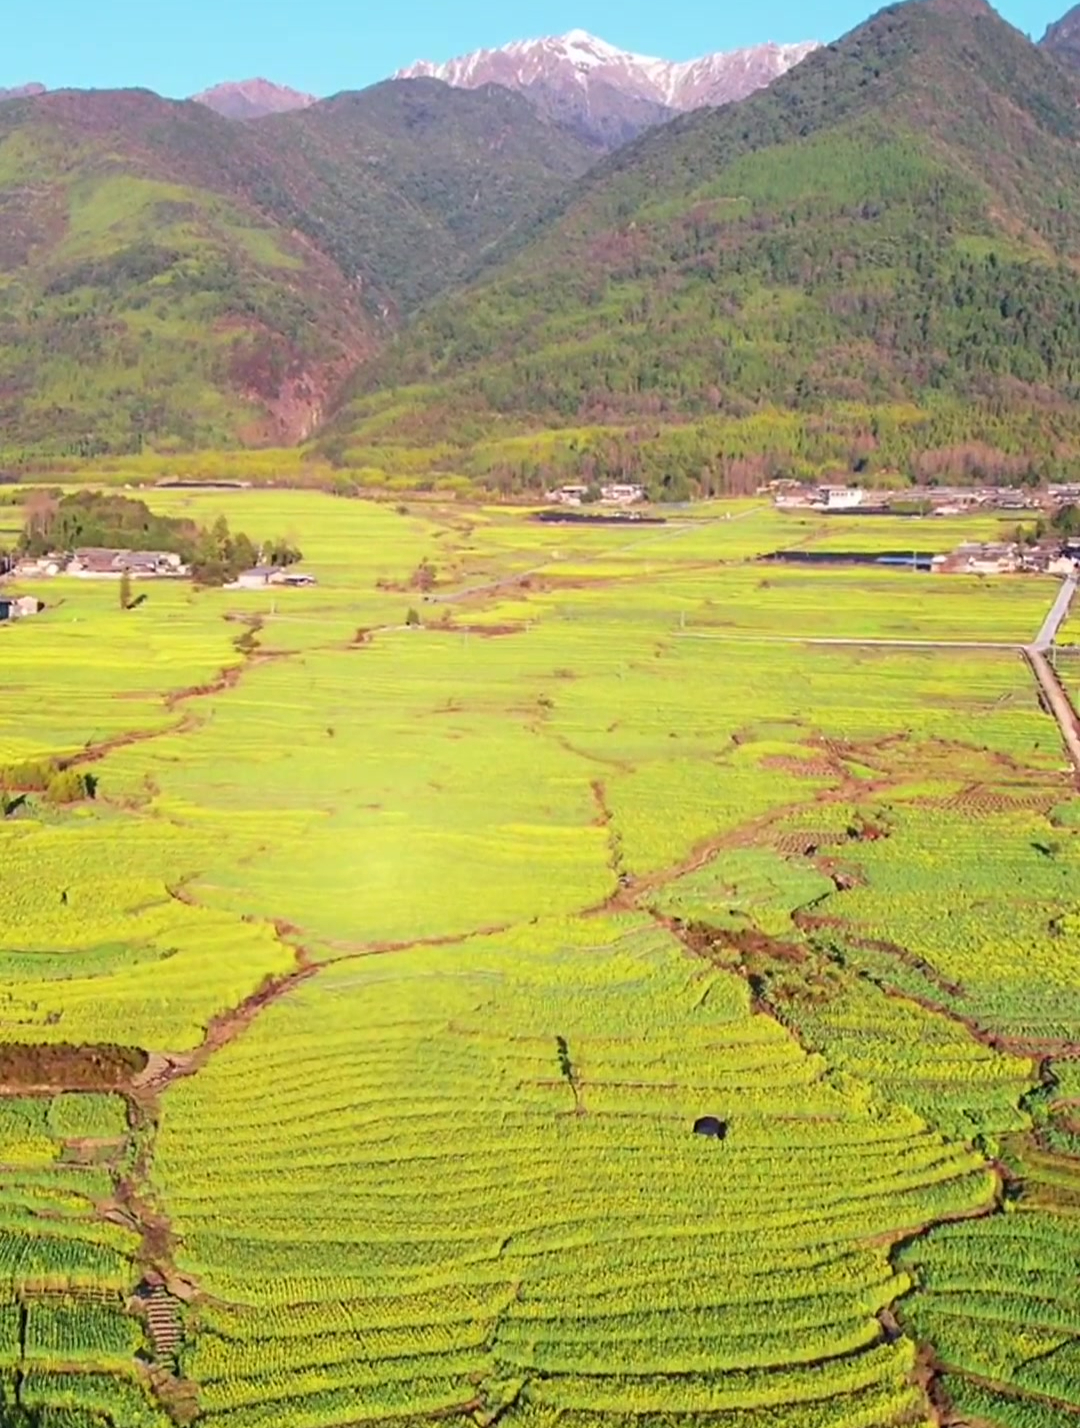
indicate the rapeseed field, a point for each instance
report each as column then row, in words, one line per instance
column 353, row 1037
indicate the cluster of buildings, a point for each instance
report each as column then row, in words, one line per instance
column 99, row 563
column 103, row 564
column 1046, row 557
column 931, row 500
column 618, row 493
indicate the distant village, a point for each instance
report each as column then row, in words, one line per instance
column 919, row 500
column 103, row 564
column 1042, row 551
column 96, row 563
column 615, row 494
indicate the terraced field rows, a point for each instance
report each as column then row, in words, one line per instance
column 66, row 1271
column 461, row 1179
column 584, row 1249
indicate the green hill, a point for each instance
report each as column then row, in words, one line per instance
column 172, row 279
column 872, row 263
column 414, row 180
column 144, row 295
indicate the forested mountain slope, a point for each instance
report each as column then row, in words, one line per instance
column 173, row 278
column 415, row 179
column 884, row 242
column 145, row 295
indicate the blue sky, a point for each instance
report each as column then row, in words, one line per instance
column 180, row 46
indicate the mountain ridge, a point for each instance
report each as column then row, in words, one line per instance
column 872, row 259
column 1062, row 38
column 253, row 99
column 170, row 276
column 22, row 91
column 609, row 94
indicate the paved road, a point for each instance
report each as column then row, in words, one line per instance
column 1057, row 700
column 1056, row 615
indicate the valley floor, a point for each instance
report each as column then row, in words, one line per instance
column 352, row 1039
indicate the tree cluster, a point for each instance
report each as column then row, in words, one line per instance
column 215, row 553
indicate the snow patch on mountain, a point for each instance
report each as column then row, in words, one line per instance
column 582, row 60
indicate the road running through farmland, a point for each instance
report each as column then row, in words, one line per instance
column 1056, row 615
column 672, row 531
column 850, row 641
column 1057, row 700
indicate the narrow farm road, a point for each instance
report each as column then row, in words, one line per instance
column 1058, row 702
column 671, row 531
column 849, row 641
column 1055, row 617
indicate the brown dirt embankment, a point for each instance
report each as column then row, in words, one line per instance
column 58, row 1066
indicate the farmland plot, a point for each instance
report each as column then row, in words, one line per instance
column 410, row 955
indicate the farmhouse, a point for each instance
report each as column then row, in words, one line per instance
column 986, row 558
column 96, row 563
column 622, row 493
column 568, row 495
column 39, row 567
column 18, row 607
column 840, row 498
column 259, row 577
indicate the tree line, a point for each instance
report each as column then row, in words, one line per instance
column 92, row 519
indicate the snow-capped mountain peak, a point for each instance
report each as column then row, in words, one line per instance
column 611, row 93
column 586, row 49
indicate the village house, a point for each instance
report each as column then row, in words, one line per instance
column 94, row 563
column 982, row 558
column 839, row 498
column 38, row 567
column 568, row 495
column 622, row 493
column 19, row 607
column 257, row 578
column 261, row 577
column 1061, row 565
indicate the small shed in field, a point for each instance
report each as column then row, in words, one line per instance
column 711, row 1126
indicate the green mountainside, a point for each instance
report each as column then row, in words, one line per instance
column 143, row 296
column 415, row 180
column 171, row 279
column 872, row 263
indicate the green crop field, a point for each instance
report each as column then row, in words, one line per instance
column 353, row 1036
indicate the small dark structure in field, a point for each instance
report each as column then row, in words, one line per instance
column 712, row 1127
column 17, row 607
column 564, row 517
column 922, row 560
